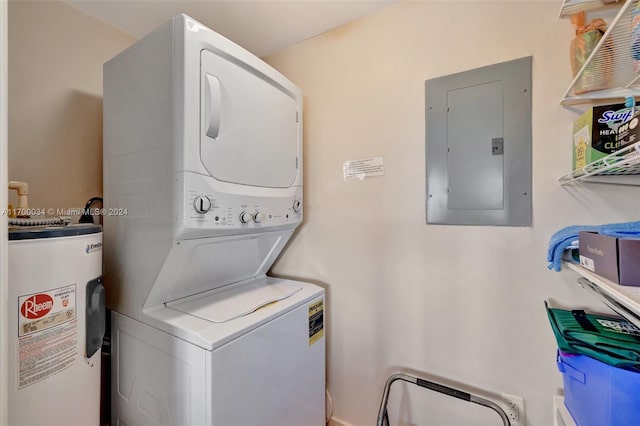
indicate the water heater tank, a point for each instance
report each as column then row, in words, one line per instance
column 56, row 325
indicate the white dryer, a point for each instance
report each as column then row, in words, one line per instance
column 202, row 190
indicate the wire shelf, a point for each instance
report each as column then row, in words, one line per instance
column 623, row 162
column 625, row 300
column 611, row 71
column 570, row 7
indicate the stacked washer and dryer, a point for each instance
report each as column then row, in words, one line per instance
column 203, row 189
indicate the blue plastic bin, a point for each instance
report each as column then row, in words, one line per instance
column 597, row 394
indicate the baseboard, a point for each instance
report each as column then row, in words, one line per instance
column 337, row 422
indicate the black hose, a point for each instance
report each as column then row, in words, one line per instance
column 87, row 217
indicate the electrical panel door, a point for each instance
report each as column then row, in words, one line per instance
column 478, row 146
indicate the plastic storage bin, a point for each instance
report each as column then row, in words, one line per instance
column 597, row 394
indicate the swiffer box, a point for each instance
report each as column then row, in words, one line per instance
column 603, row 130
column 616, row 259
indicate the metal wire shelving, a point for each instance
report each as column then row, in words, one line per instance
column 624, row 162
column 610, row 72
column 570, row 7
column 624, row 300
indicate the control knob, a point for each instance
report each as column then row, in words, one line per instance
column 296, row 206
column 202, row 204
column 245, row 217
column 258, row 217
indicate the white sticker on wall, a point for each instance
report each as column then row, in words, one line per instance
column 360, row 169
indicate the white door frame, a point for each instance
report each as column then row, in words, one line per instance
column 4, row 183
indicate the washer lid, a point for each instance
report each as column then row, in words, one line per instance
column 36, row 232
column 236, row 302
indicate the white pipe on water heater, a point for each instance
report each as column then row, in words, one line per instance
column 23, row 193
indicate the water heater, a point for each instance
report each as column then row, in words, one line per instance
column 56, row 325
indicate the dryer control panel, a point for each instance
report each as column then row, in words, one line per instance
column 213, row 207
column 217, row 210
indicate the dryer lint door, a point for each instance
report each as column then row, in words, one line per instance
column 248, row 125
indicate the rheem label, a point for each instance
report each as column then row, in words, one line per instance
column 47, row 334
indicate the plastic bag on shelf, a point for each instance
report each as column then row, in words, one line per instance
column 612, row 340
column 597, row 75
column 635, row 37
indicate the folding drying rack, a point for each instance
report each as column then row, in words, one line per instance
column 383, row 418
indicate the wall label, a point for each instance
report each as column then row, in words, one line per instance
column 361, row 169
column 316, row 321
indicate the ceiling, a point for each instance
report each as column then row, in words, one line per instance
column 260, row 26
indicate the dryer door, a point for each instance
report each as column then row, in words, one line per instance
column 248, row 124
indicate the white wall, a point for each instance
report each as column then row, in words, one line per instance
column 465, row 303
column 56, row 53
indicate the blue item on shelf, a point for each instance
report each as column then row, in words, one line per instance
column 598, row 394
column 562, row 239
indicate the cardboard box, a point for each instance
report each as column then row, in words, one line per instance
column 616, row 259
column 602, row 130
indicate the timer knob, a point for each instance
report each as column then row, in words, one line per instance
column 245, row 217
column 202, row 204
column 296, row 206
column 258, row 217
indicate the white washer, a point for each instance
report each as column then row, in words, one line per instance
column 203, row 188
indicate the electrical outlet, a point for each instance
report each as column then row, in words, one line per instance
column 514, row 407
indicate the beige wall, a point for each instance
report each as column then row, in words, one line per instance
column 55, row 100
column 464, row 303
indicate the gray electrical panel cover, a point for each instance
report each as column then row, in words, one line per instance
column 478, row 146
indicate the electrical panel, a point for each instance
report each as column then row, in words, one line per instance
column 478, row 146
